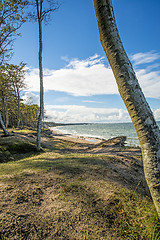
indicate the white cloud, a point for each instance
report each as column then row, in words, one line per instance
column 30, row 98
column 91, row 77
column 142, row 58
column 79, row 78
column 83, row 114
column 157, row 114
column 80, row 114
column 150, row 82
column 90, row 101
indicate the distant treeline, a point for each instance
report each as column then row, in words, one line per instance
column 53, row 124
column 14, row 112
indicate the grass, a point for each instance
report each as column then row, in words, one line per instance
column 56, row 195
column 124, row 215
column 15, row 147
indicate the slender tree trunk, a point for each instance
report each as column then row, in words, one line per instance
column 4, row 110
column 39, row 125
column 3, row 126
column 3, row 107
column 19, row 109
column 6, row 113
column 132, row 95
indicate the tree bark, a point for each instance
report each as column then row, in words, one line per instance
column 6, row 116
column 19, row 109
column 3, row 109
column 132, row 95
column 39, row 124
column 3, row 126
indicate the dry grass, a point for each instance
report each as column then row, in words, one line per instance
column 59, row 194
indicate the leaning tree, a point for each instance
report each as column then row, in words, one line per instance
column 132, row 95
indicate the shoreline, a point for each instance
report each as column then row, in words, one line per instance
column 96, row 144
column 98, row 135
column 74, row 138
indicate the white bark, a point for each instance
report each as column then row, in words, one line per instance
column 3, row 126
column 6, row 116
column 39, row 125
column 19, row 109
column 132, row 95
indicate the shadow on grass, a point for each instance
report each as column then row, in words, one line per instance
column 88, row 216
column 91, row 222
column 99, row 167
column 115, row 215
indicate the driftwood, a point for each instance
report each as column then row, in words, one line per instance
column 116, row 141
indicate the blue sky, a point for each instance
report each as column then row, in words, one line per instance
column 78, row 82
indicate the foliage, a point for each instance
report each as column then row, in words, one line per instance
column 42, row 10
column 29, row 114
column 14, row 111
column 11, row 19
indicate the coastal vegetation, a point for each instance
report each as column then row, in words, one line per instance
column 73, row 190
column 12, row 17
column 14, row 112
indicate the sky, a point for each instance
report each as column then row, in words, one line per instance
column 79, row 85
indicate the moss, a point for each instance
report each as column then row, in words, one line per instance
column 21, row 147
column 12, row 147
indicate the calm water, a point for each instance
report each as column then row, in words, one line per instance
column 104, row 130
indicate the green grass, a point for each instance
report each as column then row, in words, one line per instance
column 53, row 195
column 135, row 216
column 124, row 213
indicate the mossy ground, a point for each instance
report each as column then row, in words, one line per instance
column 63, row 194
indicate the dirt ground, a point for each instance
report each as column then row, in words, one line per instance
column 68, row 191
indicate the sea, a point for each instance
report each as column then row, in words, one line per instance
column 103, row 131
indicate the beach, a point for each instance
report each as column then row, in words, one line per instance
column 101, row 131
column 74, row 138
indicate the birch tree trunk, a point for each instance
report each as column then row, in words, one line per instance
column 3, row 108
column 3, row 126
column 6, row 116
column 19, row 109
column 132, row 95
column 39, row 124
column 42, row 14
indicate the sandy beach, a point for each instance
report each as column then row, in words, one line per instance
column 74, row 138
column 90, row 145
